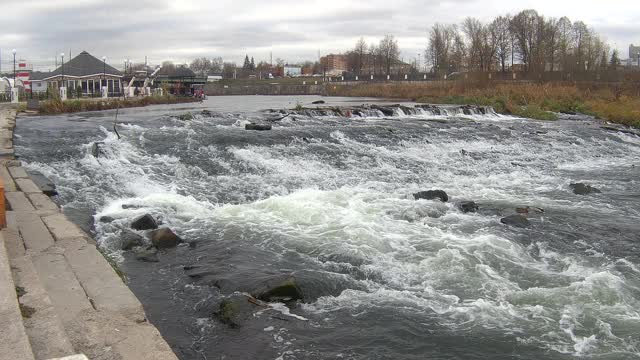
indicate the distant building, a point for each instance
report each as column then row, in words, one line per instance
column 634, row 54
column 214, row 78
column 292, row 70
column 87, row 72
column 334, row 65
column 38, row 84
column 180, row 79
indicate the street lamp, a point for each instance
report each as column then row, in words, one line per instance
column 14, row 67
column 62, row 70
column 104, row 70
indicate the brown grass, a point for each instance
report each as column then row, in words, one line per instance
column 56, row 106
column 619, row 104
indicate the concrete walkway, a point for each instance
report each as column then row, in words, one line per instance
column 58, row 295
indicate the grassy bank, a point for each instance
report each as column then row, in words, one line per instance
column 57, row 106
column 537, row 101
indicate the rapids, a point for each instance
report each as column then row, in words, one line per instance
column 329, row 199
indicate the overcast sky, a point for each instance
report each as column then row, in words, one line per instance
column 293, row 30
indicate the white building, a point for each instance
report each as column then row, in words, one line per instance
column 291, row 70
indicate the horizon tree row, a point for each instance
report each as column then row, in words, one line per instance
column 538, row 43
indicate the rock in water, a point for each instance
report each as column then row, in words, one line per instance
column 165, row 238
column 584, row 189
column 236, row 309
column 468, row 206
column 258, row 127
column 516, row 220
column 147, row 255
column 46, row 186
column 317, row 102
column 106, row 219
column 432, row 195
column 129, row 240
column 144, row 222
column 287, row 290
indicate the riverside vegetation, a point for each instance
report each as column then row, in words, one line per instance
column 57, row 106
column 536, row 101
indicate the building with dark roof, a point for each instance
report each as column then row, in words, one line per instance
column 180, row 80
column 87, row 72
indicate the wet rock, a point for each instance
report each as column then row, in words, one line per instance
column 432, row 195
column 165, row 238
column 149, row 254
column 516, row 220
column 529, row 210
column 384, row 110
column 257, row 127
column 467, row 206
column 206, row 113
column 584, row 189
column 128, row 206
column 129, row 240
column 237, row 309
column 46, row 186
column 106, row 219
column 281, row 291
column 317, row 102
column 185, row 117
column 144, row 222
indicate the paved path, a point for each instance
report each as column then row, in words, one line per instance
column 59, row 297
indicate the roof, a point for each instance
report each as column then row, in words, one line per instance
column 85, row 64
column 39, row 75
column 176, row 71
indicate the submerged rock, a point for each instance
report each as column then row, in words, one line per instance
column 129, row 240
column 529, row 210
column 165, row 238
column 257, row 127
column 432, row 195
column 516, row 220
column 236, row 309
column 144, row 222
column 584, row 189
column 467, row 206
column 149, row 254
column 282, row 291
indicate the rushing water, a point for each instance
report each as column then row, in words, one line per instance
column 329, row 200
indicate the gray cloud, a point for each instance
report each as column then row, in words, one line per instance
column 293, row 30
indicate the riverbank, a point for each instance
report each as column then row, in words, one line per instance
column 60, row 296
column 538, row 101
column 57, row 106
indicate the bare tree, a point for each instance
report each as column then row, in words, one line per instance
column 390, row 53
column 500, row 32
column 440, row 47
column 360, row 51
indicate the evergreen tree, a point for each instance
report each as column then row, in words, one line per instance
column 253, row 64
column 615, row 59
column 247, row 64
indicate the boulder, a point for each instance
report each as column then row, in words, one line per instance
column 516, row 220
column 164, row 238
column 432, row 195
column 128, row 206
column 467, row 206
column 144, row 222
column 317, row 102
column 257, row 127
column 236, row 309
column 149, row 254
column 129, row 240
column 281, row 291
column 106, row 219
column 583, row 189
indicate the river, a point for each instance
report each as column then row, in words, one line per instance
column 329, row 201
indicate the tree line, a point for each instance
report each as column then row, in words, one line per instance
column 538, row 43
